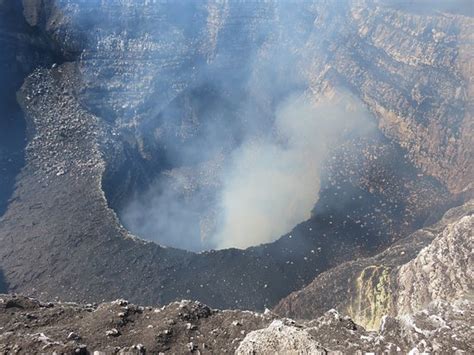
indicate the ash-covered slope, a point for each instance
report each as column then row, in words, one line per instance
column 88, row 147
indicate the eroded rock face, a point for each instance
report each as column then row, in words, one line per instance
column 442, row 271
column 412, row 70
column 433, row 264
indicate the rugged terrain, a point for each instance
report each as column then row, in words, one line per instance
column 87, row 150
column 434, row 263
column 94, row 108
column 189, row 327
column 80, row 144
column 437, row 317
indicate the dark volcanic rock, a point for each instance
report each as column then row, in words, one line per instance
column 82, row 243
column 31, row 326
column 60, row 238
column 23, row 49
column 28, row 325
column 3, row 283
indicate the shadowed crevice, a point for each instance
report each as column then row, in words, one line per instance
column 23, row 49
column 3, row 283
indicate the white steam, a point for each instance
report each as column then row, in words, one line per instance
column 272, row 183
column 264, row 187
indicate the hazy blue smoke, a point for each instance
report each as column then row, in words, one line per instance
column 227, row 109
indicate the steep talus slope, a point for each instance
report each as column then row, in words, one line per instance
column 86, row 120
column 64, row 164
column 433, row 264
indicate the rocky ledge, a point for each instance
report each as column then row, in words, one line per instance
column 29, row 325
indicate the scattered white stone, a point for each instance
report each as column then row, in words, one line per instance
column 73, row 336
column 190, row 326
column 279, row 338
column 112, row 332
column 191, row 346
column 120, row 302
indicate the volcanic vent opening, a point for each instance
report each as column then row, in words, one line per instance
column 220, row 167
column 222, row 137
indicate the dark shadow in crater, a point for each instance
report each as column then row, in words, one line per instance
column 12, row 124
column 359, row 221
column 23, row 48
column 192, row 129
column 12, row 144
column 3, row 283
column 209, row 119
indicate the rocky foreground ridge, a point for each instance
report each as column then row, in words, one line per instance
column 437, row 317
column 30, row 326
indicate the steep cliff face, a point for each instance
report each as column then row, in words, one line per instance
column 434, row 264
column 101, row 128
column 413, row 71
column 441, row 271
column 23, row 49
